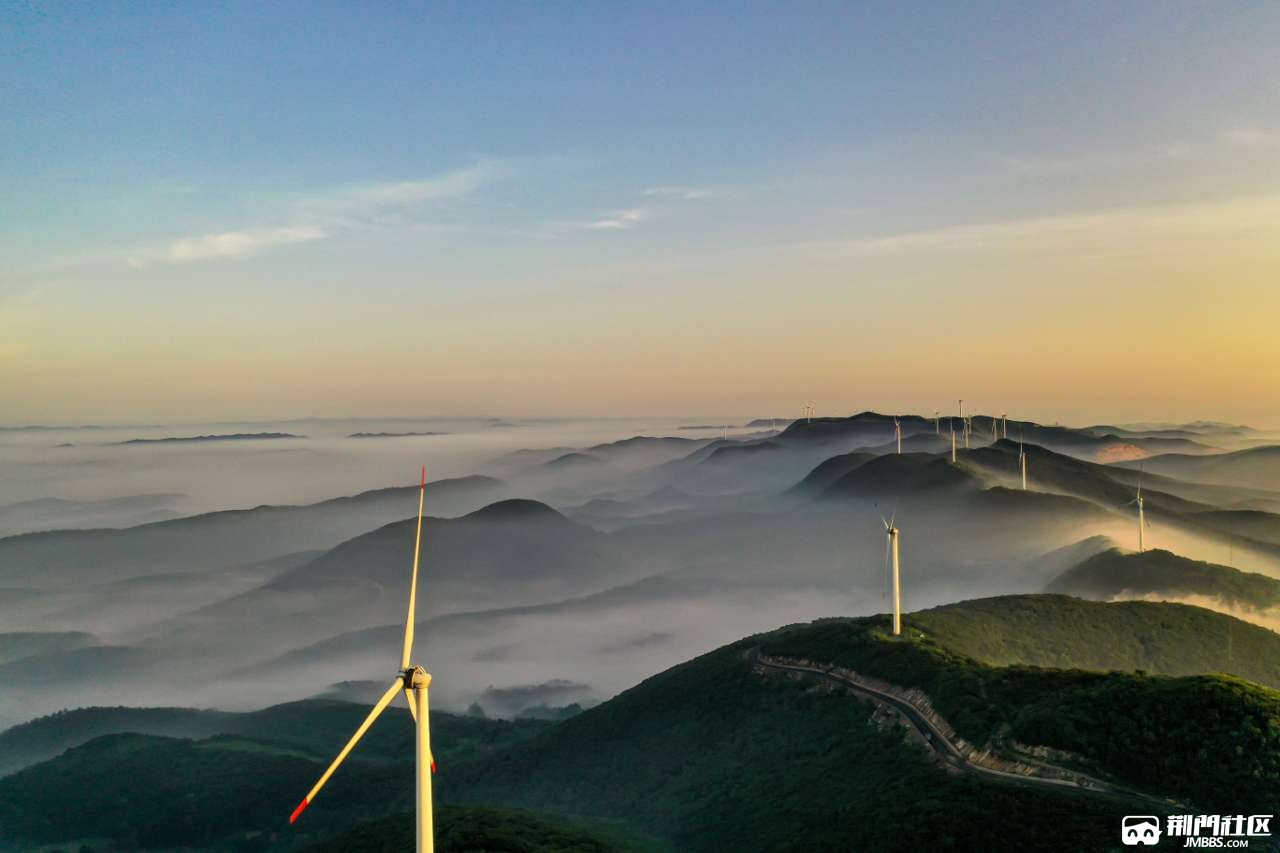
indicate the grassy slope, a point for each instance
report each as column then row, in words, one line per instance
column 1062, row 632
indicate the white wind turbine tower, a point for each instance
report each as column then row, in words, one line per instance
column 413, row 680
column 1004, row 426
column 1022, row 464
column 953, row 444
column 1142, row 518
column 897, row 433
column 891, row 553
column 937, row 422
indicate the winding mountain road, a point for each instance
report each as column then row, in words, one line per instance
column 948, row 751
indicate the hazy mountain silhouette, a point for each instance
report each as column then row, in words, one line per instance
column 1257, row 467
column 899, row 474
column 221, row 539
column 237, row 436
column 831, row 470
column 1117, row 574
column 575, row 460
column 58, row 513
column 18, row 645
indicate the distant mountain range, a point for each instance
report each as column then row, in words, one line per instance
column 221, row 539
column 235, row 436
column 392, row 434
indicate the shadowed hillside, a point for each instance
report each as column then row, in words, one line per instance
column 1119, row 574
column 314, row 727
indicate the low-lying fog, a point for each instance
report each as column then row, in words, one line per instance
column 637, row 555
column 81, row 465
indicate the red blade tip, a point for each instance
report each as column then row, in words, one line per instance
column 423, row 484
column 433, row 766
column 298, row 811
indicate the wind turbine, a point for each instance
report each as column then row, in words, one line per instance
column 953, row 444
column 1004, row 426
column 897, row 432
column 1142, row 518
column 891, row 552
column 1022, row 463
column 937, row 422
column 413, row 680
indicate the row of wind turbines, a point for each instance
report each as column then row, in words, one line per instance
column 891, row 553
column 413, row 680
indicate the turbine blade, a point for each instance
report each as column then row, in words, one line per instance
column 413, row 704
column 413, row 581
column 395, row 688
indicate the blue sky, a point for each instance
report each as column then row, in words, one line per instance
column 559, row 177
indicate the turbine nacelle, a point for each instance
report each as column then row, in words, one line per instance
column 416, row 678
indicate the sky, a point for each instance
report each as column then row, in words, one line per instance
column 1069, row 212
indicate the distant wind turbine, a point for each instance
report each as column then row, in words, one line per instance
column 1004, row 426
column 937, row 422
column 953, row 444
column 1142, row 518
column 1022, row 464
column 413, row 680
column 891, row 553
column 897, row 432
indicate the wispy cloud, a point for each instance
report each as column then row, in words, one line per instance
column 618, row 220
column 234, row 244
column 681, row 193
column 370, row 199
column 1148, row 225
column 323, row 215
